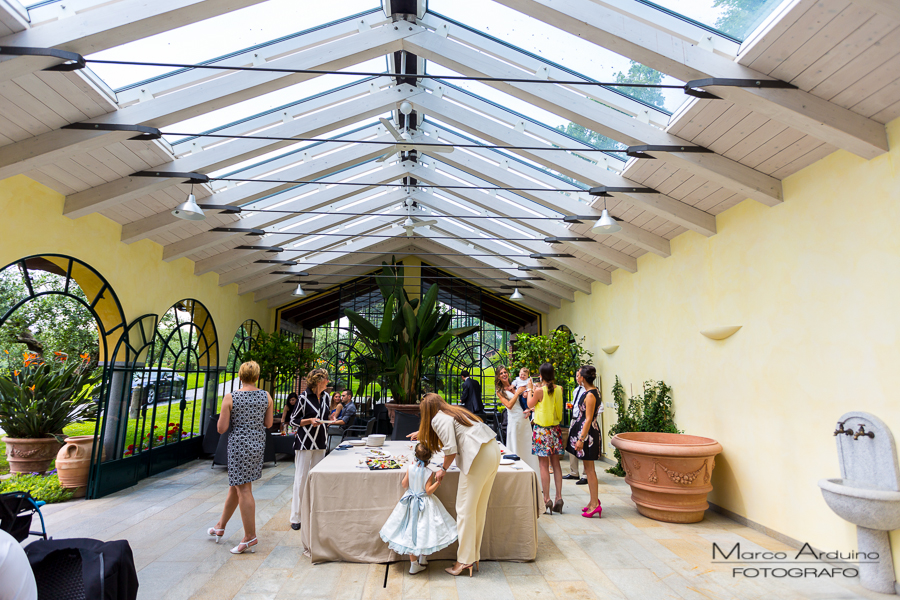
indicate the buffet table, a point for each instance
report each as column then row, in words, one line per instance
column 345, row 505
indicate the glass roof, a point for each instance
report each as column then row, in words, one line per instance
column 562, row 48
column 735, row 18
column 220, row 36
column 279, row 99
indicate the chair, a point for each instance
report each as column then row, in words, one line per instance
column 404, row 424
column 83, row 569
column 16, row 512
column 382, row 420
column 338, row 431
column 221, row 456
column 359, row 431
column 491, row 417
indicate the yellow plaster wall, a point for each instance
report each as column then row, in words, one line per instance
column 815, row 283
column 33, row 223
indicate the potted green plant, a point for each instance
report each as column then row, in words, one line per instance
column 409, row 334
column 38, row 401
column 279, row 358
column 669, row 473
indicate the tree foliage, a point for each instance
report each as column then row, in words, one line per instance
column 740, row 17
column 279, row 357
column 638, row 73
column 47, row 324
column 652, row 411
column 560, row 349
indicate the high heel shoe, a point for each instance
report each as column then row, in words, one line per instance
column 548, row 505
column 216, row 533
column 597, row 511
column 459, row 570
column 248, row 545
column 558, row 506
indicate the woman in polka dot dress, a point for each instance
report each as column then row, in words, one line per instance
column 248, row 412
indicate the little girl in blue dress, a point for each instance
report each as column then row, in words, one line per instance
column 419, row 525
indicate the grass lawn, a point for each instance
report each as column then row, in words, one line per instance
column 196, row 380
column 4, row 466
column 162, row 422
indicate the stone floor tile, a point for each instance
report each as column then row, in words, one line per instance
column 489, row 582
column 573, row 590
column 530, row 587
column 640, row 584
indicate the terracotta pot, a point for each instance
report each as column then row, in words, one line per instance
column 669, row 473
column 27, row 455
column 73, row 463
column 410, row 409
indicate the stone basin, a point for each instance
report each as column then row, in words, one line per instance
column 862, row 505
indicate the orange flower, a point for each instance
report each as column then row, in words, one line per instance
column 15, row 373
column 84, row 356
column 31, row 388
column 7, row 351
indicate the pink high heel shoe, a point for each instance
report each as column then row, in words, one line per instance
column 597, row 511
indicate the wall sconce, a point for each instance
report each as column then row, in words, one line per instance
column 609, row 349
column 720, row 333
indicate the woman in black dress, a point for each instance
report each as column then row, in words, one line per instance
column 248, row 413
column 584, row 434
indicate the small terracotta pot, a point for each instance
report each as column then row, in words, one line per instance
column 73, row 463
column 30, row 455
column 669, row 473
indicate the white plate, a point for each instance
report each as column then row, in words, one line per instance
column 384, row 455
column 356, row 442
column 506, row 461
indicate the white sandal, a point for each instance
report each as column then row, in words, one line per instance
column 216, row 533
column 246, row 546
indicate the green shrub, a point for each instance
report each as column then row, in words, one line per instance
column 41, row 487
column 650, row 412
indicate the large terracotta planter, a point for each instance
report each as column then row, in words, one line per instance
column 410, row 409
column 27, row 455
column 669, row 473
column 73, row 463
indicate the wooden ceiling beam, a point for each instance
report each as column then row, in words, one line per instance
column 109, row 26
column 598, row 22
column 23, row 156
column 580, row 109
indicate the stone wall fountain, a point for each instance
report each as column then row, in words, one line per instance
column 867, row 494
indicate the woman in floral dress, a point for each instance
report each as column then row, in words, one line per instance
column 584, row 433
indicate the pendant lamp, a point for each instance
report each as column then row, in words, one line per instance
column 516, row 296
column 188, row 210
column 299, row 291
column 606, row 224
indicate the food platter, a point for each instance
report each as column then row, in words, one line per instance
column 381, row 464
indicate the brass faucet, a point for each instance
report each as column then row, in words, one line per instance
column 863, row 433
column 842, row 430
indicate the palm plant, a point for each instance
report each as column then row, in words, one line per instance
column 44, row 397
column 409, row 334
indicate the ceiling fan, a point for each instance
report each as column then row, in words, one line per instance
column 409, row 225
column 405, row 140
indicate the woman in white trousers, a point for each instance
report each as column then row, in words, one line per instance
column 463, row 437
column 309, row 437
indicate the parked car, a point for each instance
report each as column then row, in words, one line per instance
column 158, row 385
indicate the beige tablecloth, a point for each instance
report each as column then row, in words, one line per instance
column 344, row 507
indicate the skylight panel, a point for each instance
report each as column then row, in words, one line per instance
column 737, row 19
column 566, row 50
column 223, row 117
column 222, row 35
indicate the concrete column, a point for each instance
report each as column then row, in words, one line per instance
column 116, row 416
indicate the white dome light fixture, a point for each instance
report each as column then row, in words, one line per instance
column 406, row 107
column 189, row 210
column 516, row 296
column 298, row 292
column 606, row 224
